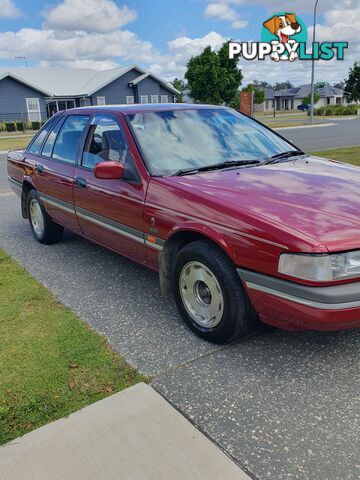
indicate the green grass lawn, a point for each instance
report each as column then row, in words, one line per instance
column 345, row 154
column 51, row 363
column 17, row 143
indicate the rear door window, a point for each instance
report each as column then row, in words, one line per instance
column 68, row 140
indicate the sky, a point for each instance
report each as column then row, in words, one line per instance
column 162, row 35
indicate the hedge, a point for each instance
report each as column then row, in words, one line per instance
column 10, row 126
column 329, row 110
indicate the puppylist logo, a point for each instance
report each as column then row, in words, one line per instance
column 284, row 37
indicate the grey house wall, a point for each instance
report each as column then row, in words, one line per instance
column 117, row 91
column 149, row 86
column 12, row 100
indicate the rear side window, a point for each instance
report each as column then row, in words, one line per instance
column 35, row 145
column 50, row 141
column 68, row 139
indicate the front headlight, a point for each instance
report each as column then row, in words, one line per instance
column 321, row 268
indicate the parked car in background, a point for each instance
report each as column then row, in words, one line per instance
column 303, row 107
column 239, row 223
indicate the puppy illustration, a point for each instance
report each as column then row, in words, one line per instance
column 284, row 27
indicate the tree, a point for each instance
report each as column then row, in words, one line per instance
column 213, row 77
column 321, row 84
column 261, row 84
column 352, row 84
column 307, row 99
column 259, row 95
column 283, row 85
column 340, row 85
column 180, row 85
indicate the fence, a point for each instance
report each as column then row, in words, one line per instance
column 22, row 121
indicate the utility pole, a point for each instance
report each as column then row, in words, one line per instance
column 313, row 68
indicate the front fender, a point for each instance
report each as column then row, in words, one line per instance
column 203, row 230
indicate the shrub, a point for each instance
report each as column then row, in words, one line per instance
column 35, row 125
column 318, row 111
column 28, row 125
column 2, row 127
column 20, row 126
column 333, row 110
column 10, row 126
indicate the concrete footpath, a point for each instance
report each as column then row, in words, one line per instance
column 134, row 434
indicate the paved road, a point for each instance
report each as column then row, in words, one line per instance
column 343, row 133
column 283, row 405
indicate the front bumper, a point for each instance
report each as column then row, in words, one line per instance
column 294, row 306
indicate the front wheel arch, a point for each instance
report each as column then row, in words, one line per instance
column 172, row 247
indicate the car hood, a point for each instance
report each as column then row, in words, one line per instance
column 317, row 197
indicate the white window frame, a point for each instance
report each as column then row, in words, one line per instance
column 144, row 98
column 164, row 99
column 101, row 101
column 130, row 99
column 34, row 115
column 154, row 98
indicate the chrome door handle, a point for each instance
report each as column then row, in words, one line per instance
column 40, row 168
column 80, row 182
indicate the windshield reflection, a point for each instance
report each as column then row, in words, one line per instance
column 195, row 138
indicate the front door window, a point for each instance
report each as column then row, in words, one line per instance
column 105, row 142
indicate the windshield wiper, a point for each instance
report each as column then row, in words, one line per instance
column 283, row 155
column 215, row 166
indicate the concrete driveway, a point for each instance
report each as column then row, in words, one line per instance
column 283, row 405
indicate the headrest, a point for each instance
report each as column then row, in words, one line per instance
column 113, row 140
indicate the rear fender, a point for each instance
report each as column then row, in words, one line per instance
column 28, row 185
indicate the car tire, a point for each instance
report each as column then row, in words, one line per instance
column 209, row 294
column 44, row 229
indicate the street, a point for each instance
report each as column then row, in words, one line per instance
column 283, row 405
column 344, row 133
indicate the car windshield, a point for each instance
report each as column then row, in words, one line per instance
column 174, row 140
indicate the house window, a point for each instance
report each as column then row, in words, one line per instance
column 130, row 99
column 144, row 99
column 101, row 100
column 33, row 109
column 154, row 98
column 85, row 102
column 164, row 99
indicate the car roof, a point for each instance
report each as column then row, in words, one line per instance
column 142, row 107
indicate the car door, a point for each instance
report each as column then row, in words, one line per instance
column 55, row 168
column 110, row 211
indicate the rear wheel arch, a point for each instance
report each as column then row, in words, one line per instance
column 26, row 188
column 172, row 247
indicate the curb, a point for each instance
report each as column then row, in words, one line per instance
column 306, row 126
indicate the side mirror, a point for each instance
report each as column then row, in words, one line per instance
column 109, row 170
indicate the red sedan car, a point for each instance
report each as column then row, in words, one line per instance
column 239, row 222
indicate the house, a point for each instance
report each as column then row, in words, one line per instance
column 291, row 98
column 35, row 94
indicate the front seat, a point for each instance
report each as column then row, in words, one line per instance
column 113, row 146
